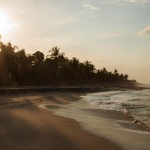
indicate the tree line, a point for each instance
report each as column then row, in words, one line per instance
column 21, row 69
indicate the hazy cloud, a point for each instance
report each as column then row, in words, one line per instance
column 12, row 25
column 23, row 12
column 131, row 1
column 65, row 21
column 145, row 31
column 90, row 7
column 108, row 35
column 39, row 43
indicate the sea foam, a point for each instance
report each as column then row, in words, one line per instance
column 134, row 103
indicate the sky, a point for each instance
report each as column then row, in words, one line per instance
column 110, row 33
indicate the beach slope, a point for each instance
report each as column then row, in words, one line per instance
column 28, row 127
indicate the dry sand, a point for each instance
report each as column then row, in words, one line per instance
column 25, row 126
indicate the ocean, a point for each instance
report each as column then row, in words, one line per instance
column 134, row 103
column 85, row 112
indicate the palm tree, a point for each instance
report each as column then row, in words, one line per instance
column 7, row 63
column 55, row 52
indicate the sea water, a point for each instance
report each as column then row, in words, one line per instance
column 135, row 103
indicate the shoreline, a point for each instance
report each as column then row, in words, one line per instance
column 80, row 88
column 108, row 124
column 10, row 104
column 29, row 127
column 24, row 106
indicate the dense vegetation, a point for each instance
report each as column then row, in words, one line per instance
column 19, row 68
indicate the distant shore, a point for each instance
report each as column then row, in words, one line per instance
column 79, row 88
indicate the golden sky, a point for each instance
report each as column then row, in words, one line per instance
column 110, row 33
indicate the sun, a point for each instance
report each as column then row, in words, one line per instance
column 6, row 24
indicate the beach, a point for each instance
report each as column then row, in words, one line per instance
column 32, row 121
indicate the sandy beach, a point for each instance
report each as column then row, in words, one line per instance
column 24, row 125
column 27, row 127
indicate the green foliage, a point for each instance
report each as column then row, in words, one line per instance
column 18, row 68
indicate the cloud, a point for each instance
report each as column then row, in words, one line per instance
column 90, row 7
column 131, row 1
column 145, row 31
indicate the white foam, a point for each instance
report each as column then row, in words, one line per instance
column 137, row 103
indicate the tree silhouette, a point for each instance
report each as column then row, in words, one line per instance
column 19, row 68
column 7, row 63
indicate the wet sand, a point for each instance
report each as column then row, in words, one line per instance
column 25, row 126
column 112, row 125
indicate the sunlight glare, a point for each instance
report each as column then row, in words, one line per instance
column 5, row 24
